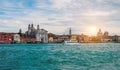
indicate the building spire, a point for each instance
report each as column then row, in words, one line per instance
column 29, row 27
column 20, row 30
column 99, row 30
column 70, row 32
column 99, row 33
column 38, row 27
column 32, row 25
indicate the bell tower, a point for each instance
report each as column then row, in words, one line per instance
column 99, row 33
column 29, row 27
column 38, row 27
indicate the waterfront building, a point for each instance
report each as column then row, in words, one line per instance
column 107, row 39
column 99, row 33
column 41, row 36
column 83, row 38
column 106, row 33
column 6, row 37
column 62, row 38
column 51, row 37
column 16, row 38
column 27, row 39
column 55, row 40
column 31, row 31
column 73, row 37
column 50, row 40
column 116, row 38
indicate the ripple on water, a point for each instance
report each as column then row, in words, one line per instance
column 60, row 57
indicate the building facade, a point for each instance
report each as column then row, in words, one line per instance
column 99, row 33
column 116, row 38
column 40, row 35
column 16, row 38
column 31, row 31
column 6, row 37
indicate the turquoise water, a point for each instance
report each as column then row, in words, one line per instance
column 60, row 57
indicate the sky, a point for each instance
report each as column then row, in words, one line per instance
column 57, row 16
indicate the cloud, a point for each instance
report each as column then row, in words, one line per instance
column 58, row 15
column 11, row 25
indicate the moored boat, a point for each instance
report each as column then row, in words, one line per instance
column 70, row 42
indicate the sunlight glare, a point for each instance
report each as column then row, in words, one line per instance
column 93, row 30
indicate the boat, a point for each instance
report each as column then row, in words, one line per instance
column 71, row 42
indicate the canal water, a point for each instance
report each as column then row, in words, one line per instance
column 60, row 57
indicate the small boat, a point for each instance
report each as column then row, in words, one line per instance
column 70, row 42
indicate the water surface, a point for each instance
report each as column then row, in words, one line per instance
column 60, row 57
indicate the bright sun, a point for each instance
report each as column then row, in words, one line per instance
column 93, row 30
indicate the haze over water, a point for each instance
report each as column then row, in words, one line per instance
column 60, row 57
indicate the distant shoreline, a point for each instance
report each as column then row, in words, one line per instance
column 62, row 43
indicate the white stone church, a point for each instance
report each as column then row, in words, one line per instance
column 41, row 35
